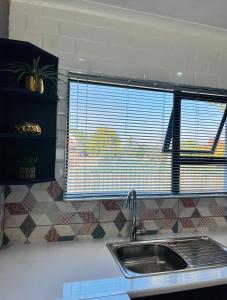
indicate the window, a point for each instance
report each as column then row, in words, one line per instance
column 196, row 137
column 124, row 135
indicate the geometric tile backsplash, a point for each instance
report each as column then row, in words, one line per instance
column 35, row 213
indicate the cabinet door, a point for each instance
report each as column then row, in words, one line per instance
column 209, row 293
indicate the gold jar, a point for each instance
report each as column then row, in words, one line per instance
column 28, row 128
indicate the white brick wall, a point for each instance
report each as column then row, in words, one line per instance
column 95, row 42
column 4, row 8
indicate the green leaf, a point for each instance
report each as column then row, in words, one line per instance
column 21, row 75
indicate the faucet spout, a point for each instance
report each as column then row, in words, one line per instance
column 131, row 202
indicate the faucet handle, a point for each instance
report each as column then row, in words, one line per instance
column 141, row 229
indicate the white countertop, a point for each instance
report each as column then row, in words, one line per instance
column 87, row 269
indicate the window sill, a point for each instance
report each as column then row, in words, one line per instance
column 147, row 197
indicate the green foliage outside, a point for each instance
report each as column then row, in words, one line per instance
column 105, row 142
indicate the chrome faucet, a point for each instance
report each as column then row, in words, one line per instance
column 131, row 202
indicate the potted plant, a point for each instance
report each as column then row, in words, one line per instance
column 27, row 166
column 34, row 74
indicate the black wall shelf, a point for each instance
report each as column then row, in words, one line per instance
column 26, row 137
column 24, row 182
column 18, row 105
column 25, row 96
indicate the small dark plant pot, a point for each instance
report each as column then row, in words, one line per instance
column 27, row 172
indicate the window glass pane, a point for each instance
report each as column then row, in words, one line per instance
column 115, row 140
column 200, row 122
column 203, row 135
column 203, row 178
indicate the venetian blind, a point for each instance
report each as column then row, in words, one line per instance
column 115, row 140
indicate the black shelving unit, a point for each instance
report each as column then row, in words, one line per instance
column 19, row 105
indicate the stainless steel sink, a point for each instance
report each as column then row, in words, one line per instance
column 150, row 258
column 170, row 255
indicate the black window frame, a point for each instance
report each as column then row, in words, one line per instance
column 173, row 134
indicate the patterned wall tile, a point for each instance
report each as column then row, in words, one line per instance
column 13, row 220
column 150, row 209
column 150, row 227
column 40, row 207
column 202, row 207
column 82, row 206
column 161, row 226
column 65, row 232
column 65, row 218
column 16, row 196
column 55, row 191
column 41, row 219
column 203, row 224
column 15, row 209
column 186, row 225
column 221, row 222
column 205, row 206
column 217, row 207
column 87, row 217
column 98, row 232
column 35, row 213
column 18, row 187
column 84, row 231
column 52, row 235
column 207, row 223
column 39, row 234
column 86, row 212
column 6, row 192
column 112, row 229
column 15, row 235
column 120, row 221
column 187, row 207
column 76, row 228
column 111, row 210
column 53, row 213
column 27, row 226
column 66, row 207
column 5, row 240
column 167, row 226
column 124, row 231
column 42, row 186
column 28, row 202
column 41, row 195
column 69, row 232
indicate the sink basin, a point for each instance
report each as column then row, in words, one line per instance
column 150, row 258
column 142, row 258
column 139, row 258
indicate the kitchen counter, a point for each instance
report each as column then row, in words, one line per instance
column 85, row 269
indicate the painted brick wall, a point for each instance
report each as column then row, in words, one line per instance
column 96, row 39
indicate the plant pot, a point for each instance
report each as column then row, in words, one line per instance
column 34, row 84
column 27, row 172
